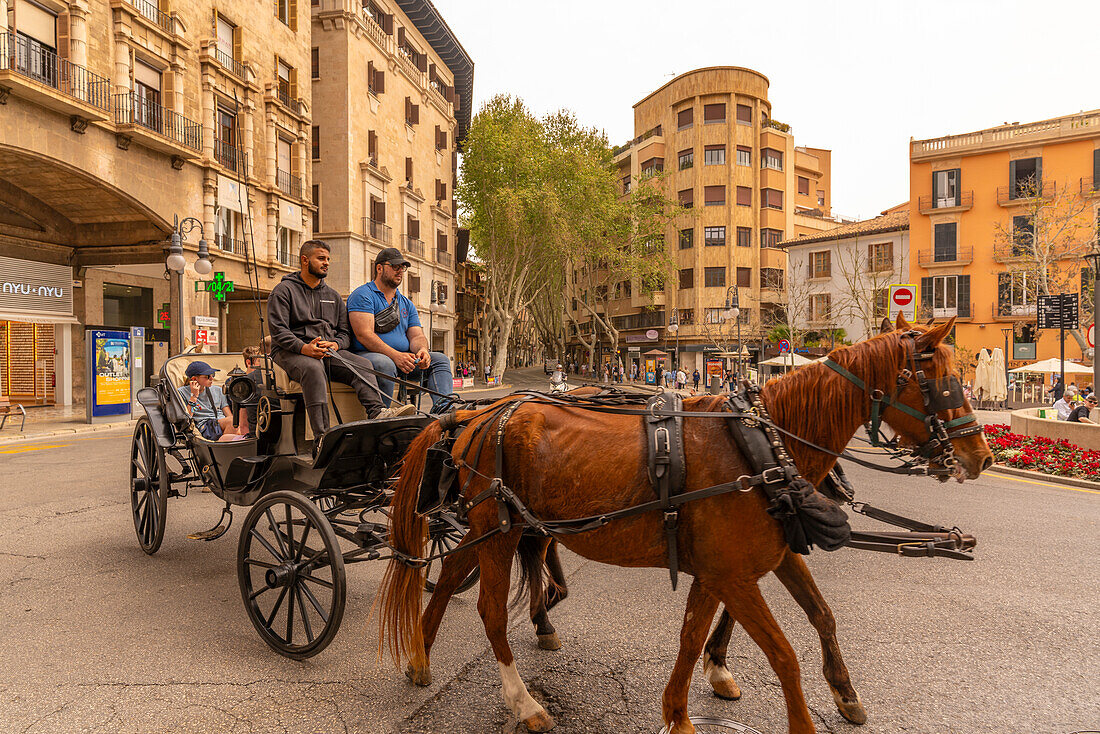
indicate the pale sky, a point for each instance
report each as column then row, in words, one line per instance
column 857, row 76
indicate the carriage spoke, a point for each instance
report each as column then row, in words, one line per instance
column 278, row 533
column 257, row 592
column 275, row 608
column 290, row 617
column 305, row 617
column 263, row 541
column 314, row 579
column 302, row 544
column 316, row 604
column 261, row 564
column 289, row 533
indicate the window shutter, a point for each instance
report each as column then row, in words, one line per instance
column 926, row 294
column 714, row 113
column 416, row 114
column 387, row 24
column 684, row 117
column 409, row 169
column 408, row 105
column 380, row 81
column 422, row 61
column 431, row 72
column 62, row 26
column 380, row 211
column 964, row 296
column 294, row 84
column 238, row 44
column 1038, row 175
column 958, row 186
column 400, row 36
column 1012, row 179
column 1004, row 293
column 292, row 11
column 936, row 187
column 415, row 227
column 1096, row 169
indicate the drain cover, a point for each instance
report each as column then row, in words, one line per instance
column 710, row 725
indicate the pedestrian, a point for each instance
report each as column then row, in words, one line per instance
column 695, row 378
column 1059, row 388
column 1063, row 407
column 681, row 378
column 1080, row 414
column 659, row 373
column 488, row 371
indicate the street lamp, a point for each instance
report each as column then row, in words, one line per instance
column 176, row 262
column 1007, row 332
column 1093, row 259
column 733, row 311
column 674, row 327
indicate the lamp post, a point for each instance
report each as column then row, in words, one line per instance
column 1093, row 259
column 733, row 311
column 674, row 327
column 176, row 262
column 1006, row 331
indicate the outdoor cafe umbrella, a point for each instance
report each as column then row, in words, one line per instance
column 790, row 359
column 1052, row 365
column 981, row 385
column 998, row 390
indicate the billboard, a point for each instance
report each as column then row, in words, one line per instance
column 108, row 373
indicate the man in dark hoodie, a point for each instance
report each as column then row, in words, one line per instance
column 307, row 318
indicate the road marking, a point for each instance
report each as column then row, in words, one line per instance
column 1047, row 484
column 25, row 449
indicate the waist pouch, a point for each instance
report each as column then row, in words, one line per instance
column 387, row 319
column 210, row 429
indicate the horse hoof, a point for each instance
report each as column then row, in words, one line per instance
column 550, row 641
column 726, row 689
column 419, row 677
column 851, row 710
column 684, row 727
column 541, row 721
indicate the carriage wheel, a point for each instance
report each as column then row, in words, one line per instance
column 291, row 574
column 445, row 532
column 148, row 487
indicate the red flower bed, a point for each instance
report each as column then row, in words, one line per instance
column 1058, row 457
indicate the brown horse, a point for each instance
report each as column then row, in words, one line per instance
column 565, row 462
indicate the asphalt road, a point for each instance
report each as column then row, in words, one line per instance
column 99, row 637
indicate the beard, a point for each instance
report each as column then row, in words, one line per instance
column 316, row 272
column 388, row 280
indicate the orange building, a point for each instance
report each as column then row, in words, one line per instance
column 977, row 198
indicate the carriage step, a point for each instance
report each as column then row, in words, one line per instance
column 218, row 530
column 371, row 532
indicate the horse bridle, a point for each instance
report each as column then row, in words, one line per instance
column 939, row 394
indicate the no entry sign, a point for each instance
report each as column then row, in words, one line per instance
column 903, row 300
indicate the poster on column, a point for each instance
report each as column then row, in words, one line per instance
column 109, row 365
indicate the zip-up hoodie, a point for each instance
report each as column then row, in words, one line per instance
column 297, row 314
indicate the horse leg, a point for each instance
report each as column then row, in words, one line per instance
column 555, row 592
column 795, row 575
column 697, row 615
column 715, row 667
column 455, row 568
column 755, row 616
column 495, row 558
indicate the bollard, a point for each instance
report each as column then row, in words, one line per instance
column 715, row 385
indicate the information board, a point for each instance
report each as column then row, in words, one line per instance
column 1059, row 312
column 108, row 363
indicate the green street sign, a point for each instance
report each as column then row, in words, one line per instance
column 219, row 286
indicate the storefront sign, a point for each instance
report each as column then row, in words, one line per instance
column 31, row 288
column 109, row 368
column 206, row 336
column 714, row 368
column 164, row 315
column 635, row 338
column 207, row 321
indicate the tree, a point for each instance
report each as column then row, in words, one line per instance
column 864, row 288
column 1043, row 244
column 793, row 315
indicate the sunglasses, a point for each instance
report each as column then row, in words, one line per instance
column 398, row 268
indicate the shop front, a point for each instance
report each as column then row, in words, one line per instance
column 36, row 313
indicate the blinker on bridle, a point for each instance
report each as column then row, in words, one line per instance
column 939, row 394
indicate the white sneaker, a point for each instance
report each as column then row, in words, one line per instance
column 395, row 410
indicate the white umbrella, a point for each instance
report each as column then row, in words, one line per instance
column 998, row 390
column 1052, row 365
column 790, row 359
column 980, row 387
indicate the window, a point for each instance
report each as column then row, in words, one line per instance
column 225, row 138
column 652, row 167
column 714, row 277
column 744, row 155
column 225, row 229
column 226, row 35
column 409, row 171
column 687, row 239
column 881, row 298
column 714, row 155
column 744, row 236
column 770, row 237
column 821, row 198
column 1025, row 177
column 771, row 198
column 945, row 188
column 714, row 236
column 771, row 158
column 714, row 195
column 744, row 196
column 316, row 198
column 315, row 143
column 287, row 12
column 626, row 184
column 440, row 190
column 714, row 315
column 687, row 278
column 880, row 257
column 285, row 75
column 1023, row 236
column 945, row 242
column 282, row 245
column 372, row 148
column 821, row 264
column 440, row 138
column 687, row 198
column 413, row 286
column 315, row 63
column 744, row 277
column 714, row 113
column 771, row 279
column 687, row 316
column 687, row 158
column 1015, row 294
column 376, row 79
column 147, row 109
column 412, row 112
column 803, row 186
column 820, row 307
column 685, row 118
column 744, row 114
column 946, row 295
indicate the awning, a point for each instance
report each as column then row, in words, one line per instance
column 290, row 215
column 38, row 318
column 230, row 195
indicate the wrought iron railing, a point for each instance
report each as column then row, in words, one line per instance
column 133, row 109
column 228, row 244
column 229, row 63
column 1023, row 191
column 226, row 154
column 288, row 183
column 413, row 245
column 958, row 256
column 32, row 60
column 443, row 257
column 1090, row 185
column 927, row 203
column 153, row 13
column 379, row 231
column 291, row 103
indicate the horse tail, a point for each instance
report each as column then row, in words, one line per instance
column 399, row 600
column 531, row 576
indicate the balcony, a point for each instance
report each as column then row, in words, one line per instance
column 1008, row 311
column 377, row 230
column 228, row 244
column 930, row 258
column 443, row 257
column 288, row 183
column 229, row 63
column 293, row 104
column 34, row 72
column 227, row 155
column 963, row 201
column 153, row 14
column 157, row 127
column 413, row 245
column 776, row 125
column 962, row 311
column 1019, row 193
column 1090, row 186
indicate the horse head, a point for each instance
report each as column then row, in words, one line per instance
column 936, row 420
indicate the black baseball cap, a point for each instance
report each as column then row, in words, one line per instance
column 199, row 368
column 392, row 256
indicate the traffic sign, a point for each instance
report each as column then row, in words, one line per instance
column 903, row 300
column 1091, row 335
column 1059, row 311
column 784, row 345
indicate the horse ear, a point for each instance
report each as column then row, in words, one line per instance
column 930, row 339
column 886, row 327
column 902, row 324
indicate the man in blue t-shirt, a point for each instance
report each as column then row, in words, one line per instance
column 386, row 329
column 206, row 403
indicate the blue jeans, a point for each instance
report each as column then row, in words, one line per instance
column 436, row 377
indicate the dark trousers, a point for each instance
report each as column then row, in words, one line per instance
column 310, row 374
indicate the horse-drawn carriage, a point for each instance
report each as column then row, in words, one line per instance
column 311, row 512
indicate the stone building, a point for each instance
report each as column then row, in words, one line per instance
column 393, row 85
column 749, row 188
column 115, row 119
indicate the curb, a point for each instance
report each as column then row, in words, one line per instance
column 1025, row 473
column 23, row 437
column 472, row 390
